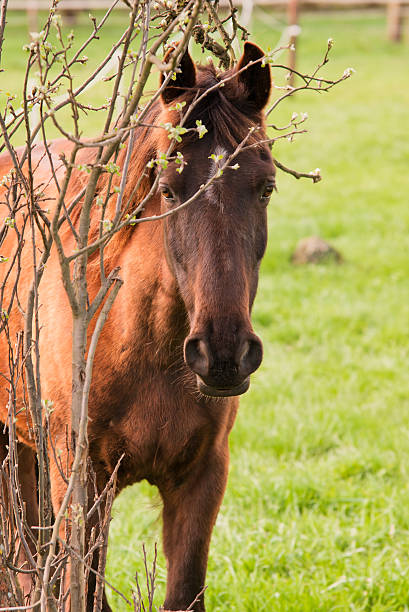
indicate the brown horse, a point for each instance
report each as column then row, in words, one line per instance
column 178, row 346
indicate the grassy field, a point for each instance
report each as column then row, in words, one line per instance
column 316, row 514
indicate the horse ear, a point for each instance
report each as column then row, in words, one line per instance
column 185, row 77
column 256, row 78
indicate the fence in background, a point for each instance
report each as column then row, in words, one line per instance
column 395, row 11
column 77, row 5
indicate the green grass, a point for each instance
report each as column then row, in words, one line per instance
column 316, row 513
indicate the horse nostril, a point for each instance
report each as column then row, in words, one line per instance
column 197, row 356
column 251, row 356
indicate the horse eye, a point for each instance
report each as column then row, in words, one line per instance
column 267, row 191
column 167, row 193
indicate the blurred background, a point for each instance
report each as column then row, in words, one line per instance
column 316, row 515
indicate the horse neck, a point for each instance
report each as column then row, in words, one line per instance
column 148, row 308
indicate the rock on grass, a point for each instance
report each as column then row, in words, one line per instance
column 315, row 250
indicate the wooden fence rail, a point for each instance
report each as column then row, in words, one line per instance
column 395, row 10
column 78, row 5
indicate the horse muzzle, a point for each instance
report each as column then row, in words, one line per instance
column 224, row 370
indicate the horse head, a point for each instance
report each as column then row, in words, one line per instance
column 215, row 244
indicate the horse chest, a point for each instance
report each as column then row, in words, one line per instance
column 160, row 435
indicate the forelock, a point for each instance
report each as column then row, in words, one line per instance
column 222, row 110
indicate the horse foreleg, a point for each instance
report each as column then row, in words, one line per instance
column 58, row 488
column 189, row 513
column 28, row 483
column 98, row 523
column 28, row 489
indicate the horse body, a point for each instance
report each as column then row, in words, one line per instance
column 177, row 347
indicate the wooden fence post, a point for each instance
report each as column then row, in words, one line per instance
column 292, row 15
column 32, row 15
column 395, row 19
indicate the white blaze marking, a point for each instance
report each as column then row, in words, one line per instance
column 212, row 192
